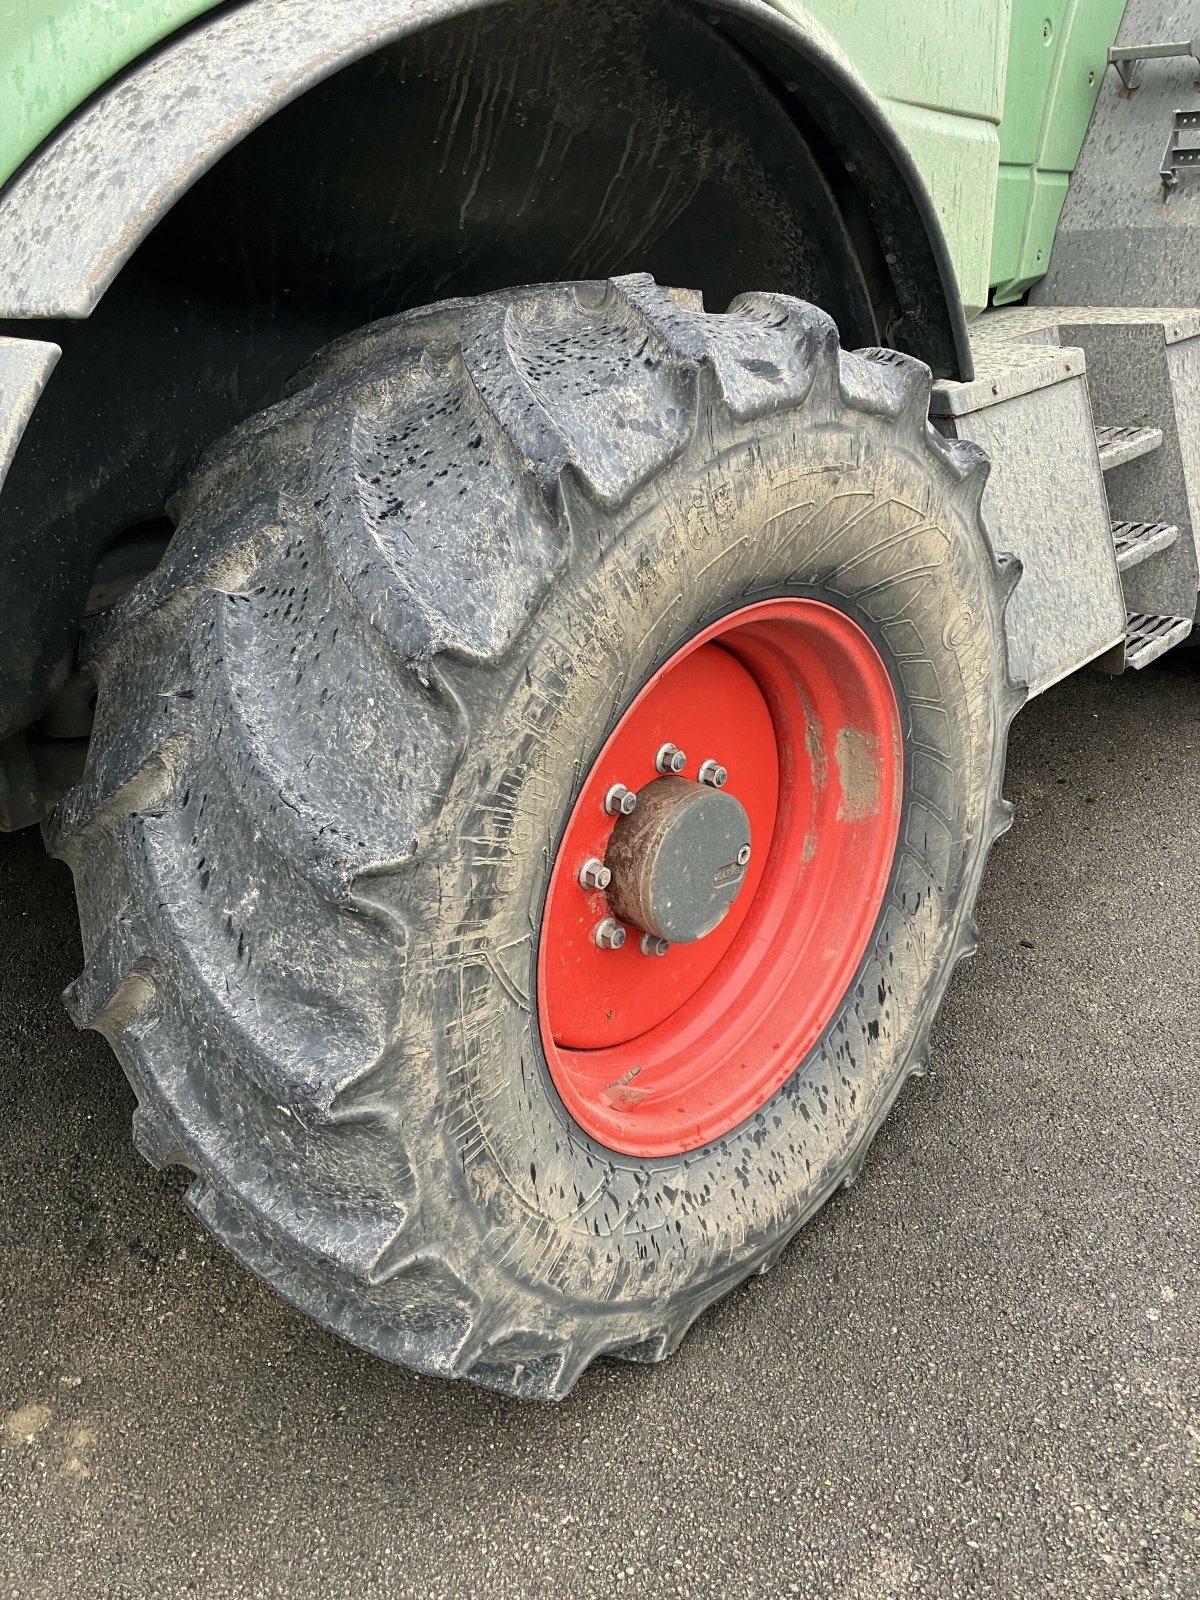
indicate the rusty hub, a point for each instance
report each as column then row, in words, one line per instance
column 678, row 860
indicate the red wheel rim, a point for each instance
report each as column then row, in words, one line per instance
column 655, row 1056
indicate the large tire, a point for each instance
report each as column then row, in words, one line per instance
column 339, row 731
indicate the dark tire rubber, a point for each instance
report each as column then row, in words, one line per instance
column 340, row 728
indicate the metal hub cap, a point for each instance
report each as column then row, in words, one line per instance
column 720, row 877
column 678, row 861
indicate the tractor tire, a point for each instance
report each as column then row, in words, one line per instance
column 339, row 734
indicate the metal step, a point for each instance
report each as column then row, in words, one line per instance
column 1124, row 442
column 1128, row 58
column 1151, row 637
column 1179, row 157
column 1134, row 541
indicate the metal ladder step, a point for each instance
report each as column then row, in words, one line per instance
column 1124, row 442
column 1128, row 58
column 1147, row 637
column 1134, row 541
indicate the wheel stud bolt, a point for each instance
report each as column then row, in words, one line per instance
column 714, row 774
column 593, row 874
column 609, row 935
column 654, row 947
column 670, row 760
column 620, row 801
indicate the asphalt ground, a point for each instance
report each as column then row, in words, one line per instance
column 977, row 1373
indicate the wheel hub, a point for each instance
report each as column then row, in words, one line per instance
column 678, row 861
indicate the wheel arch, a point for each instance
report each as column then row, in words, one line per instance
column 79, row 222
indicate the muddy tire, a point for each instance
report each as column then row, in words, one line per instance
column 339, row 732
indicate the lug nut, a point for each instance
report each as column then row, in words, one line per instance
column 593, row 874
column 670, row 760
column 714, row 774
column 610, row 935
column 654, row 947
column 620, row 801
column 743, row 855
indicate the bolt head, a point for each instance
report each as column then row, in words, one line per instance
column 652, row 946
column 609, row 934
column 620, row 801
column 743, row 855
column 670, row 760
column 714, row 774
column 593, row 874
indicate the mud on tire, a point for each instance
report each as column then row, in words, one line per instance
column 340, row 729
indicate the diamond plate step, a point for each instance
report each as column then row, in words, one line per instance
column 1124, row 442
column 1150, row 637
column 1134, row 541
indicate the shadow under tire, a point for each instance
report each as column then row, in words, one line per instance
column 339, row 734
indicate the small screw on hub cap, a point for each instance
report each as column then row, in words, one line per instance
column 610, row 935
column 670, row 760
column 593, row 874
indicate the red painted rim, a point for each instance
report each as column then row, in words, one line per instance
column 655, row 1056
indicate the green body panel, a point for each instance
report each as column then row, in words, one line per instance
column 940, row 68
column 1057, row 55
